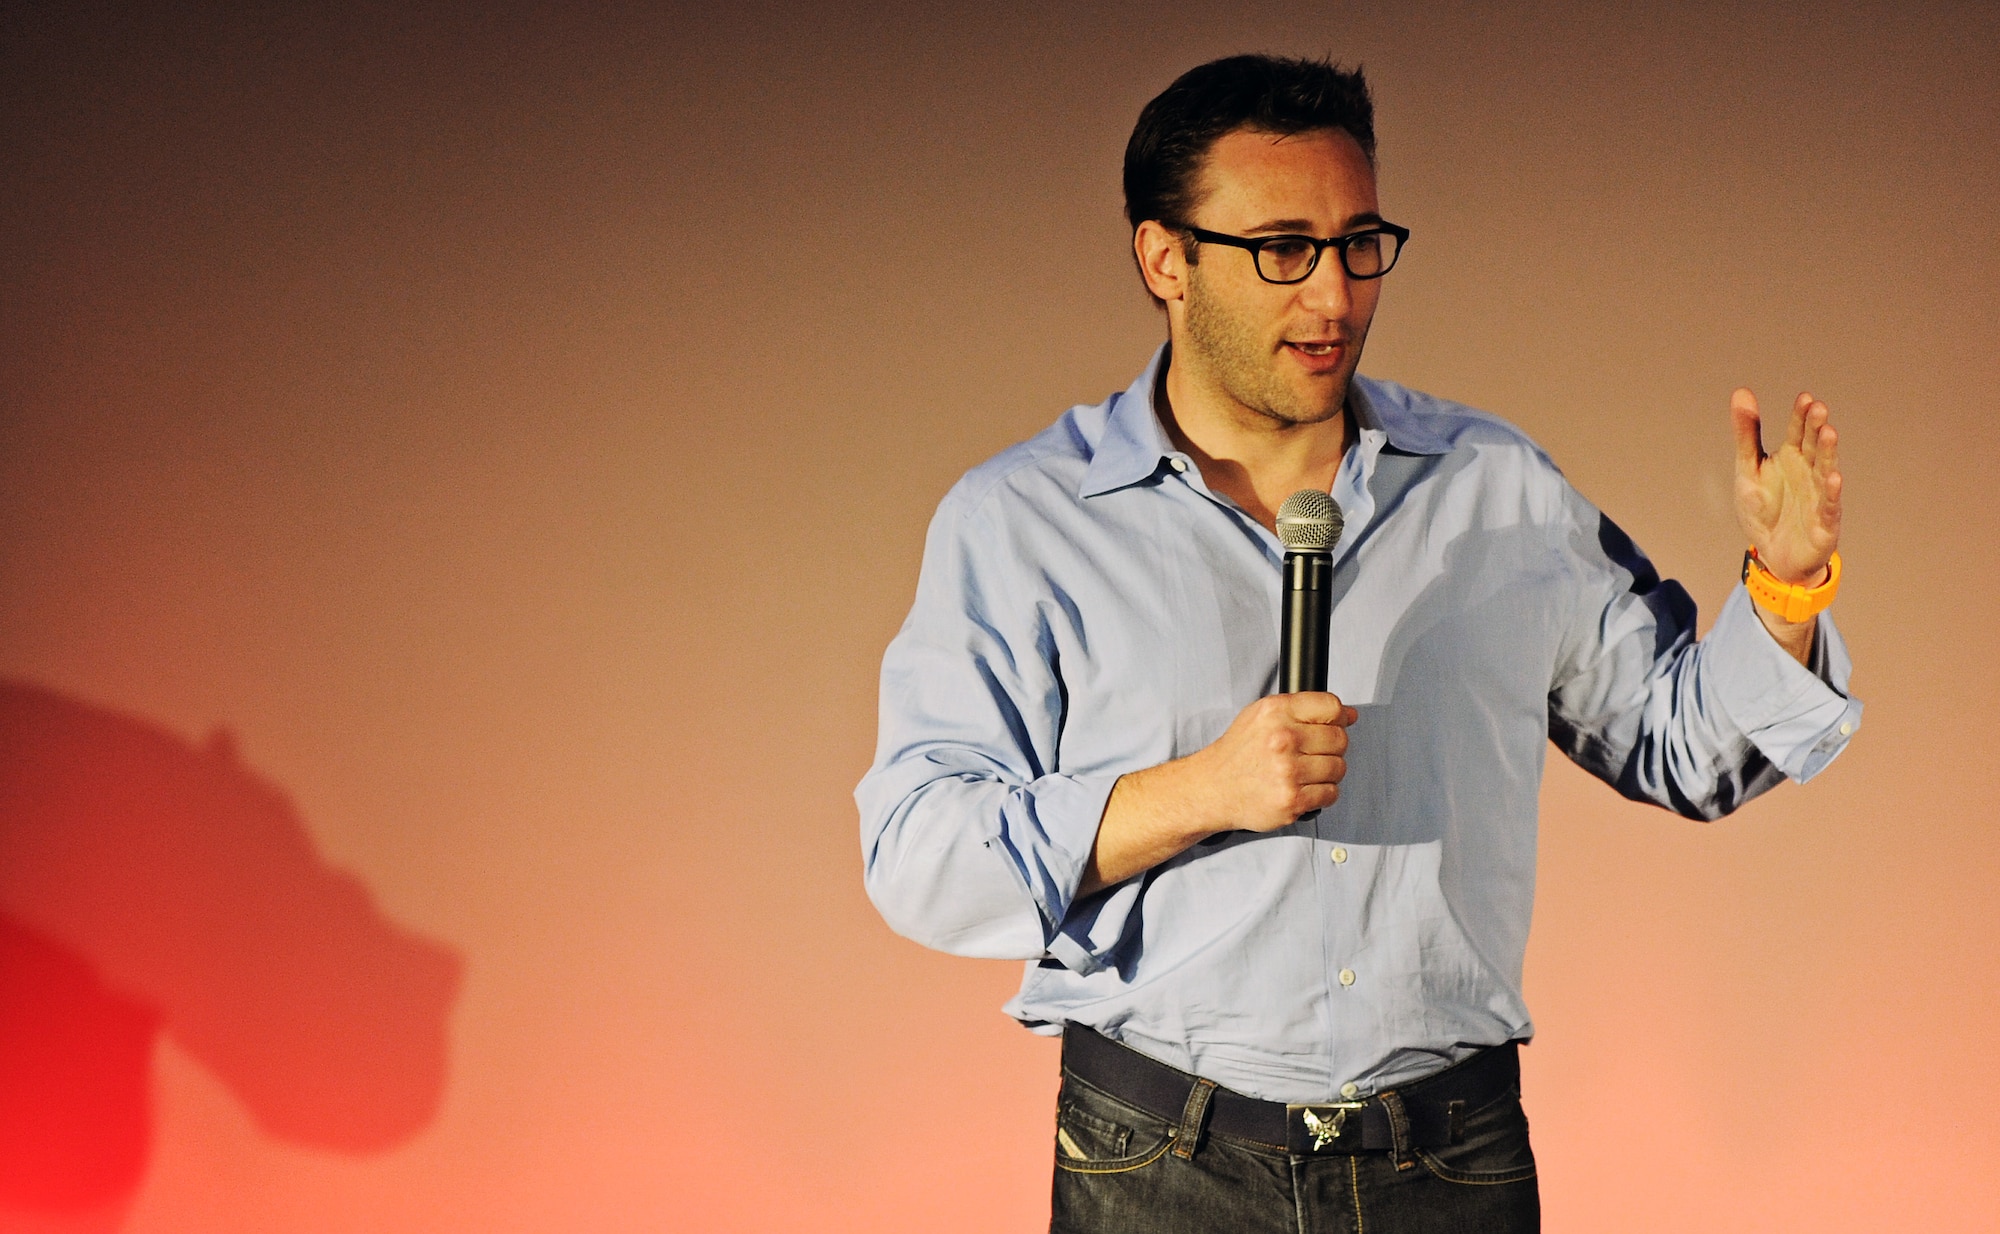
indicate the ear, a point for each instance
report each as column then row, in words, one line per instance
column 1162, row 260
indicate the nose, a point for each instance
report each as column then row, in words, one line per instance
column 1327, row 290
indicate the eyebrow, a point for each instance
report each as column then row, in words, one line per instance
column 1304, row 226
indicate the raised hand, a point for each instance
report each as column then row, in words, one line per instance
column 1788, row 501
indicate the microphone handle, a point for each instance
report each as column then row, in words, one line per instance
column 1307, row 622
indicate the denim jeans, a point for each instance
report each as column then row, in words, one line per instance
column 1116, row 1172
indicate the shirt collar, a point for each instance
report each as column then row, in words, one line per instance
column 1376, row 405
column 1134, row 441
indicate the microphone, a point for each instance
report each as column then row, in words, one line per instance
column 1309, row 525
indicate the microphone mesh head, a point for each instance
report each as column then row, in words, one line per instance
column 1309, row 522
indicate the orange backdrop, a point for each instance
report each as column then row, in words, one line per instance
column 460, row 468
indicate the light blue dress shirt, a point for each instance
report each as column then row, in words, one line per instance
column 1089, row 607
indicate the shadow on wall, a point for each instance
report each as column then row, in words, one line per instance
column 148, row 886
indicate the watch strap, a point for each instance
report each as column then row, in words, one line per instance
column 1793, row 602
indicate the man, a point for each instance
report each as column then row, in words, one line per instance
column 1282, row 934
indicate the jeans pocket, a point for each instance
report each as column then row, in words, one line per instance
column 1098, row 1134
column 1493, row 1150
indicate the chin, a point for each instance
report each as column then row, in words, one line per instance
column 1286, row 415
column 1313, row 411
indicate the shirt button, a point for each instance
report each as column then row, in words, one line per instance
column 1347, row 976
column 1339, row 855
column 1179, row 464
column 1846, row 729
column 1350, row 1090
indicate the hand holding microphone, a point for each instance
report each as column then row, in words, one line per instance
column 1286, row 754
column 1283, row 756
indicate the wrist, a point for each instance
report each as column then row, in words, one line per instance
column 1179, row 795
column 1780, row 628
column 1795, row 638
column 1149, row 818
column 1791, row 603
column 1159, row 809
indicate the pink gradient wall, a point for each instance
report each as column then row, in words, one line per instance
column 415, row 395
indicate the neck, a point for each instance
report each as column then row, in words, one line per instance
column 1254, row 459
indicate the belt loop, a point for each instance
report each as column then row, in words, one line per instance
column 1193, row 1115
column 1399, row 1130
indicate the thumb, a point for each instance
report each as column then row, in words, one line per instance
column 1749, row 433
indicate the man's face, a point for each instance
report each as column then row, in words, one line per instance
column 1283, row 352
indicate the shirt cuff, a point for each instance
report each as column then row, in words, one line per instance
column 1068, row 810
column 1087, row 937
column 1085, row 931
column 1799, row 717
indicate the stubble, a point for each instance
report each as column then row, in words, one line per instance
column 1244, row 361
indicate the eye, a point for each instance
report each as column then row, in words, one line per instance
column 1289, row 249
column 1287, row 259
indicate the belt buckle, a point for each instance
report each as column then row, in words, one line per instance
column 1324, row 1126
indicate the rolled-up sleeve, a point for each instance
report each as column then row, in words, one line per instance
column 1698, row 727
column 972, row 841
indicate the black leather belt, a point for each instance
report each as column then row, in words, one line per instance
column 1432, row 1109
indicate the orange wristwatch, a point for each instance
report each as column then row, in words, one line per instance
column 1788, row 601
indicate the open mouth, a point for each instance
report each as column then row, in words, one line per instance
column 1317, row 355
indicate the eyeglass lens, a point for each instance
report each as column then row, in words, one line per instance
column 1291, row 258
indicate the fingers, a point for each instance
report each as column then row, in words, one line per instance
column 1282, row 757
column 1795, row 428
column 1315, row 785
column 1830, row 484
column 1321, row 769
column 1809, row 437
column 1317, row 797
column 1749, row 439
column 1313, row 739
column 1318, row 707
column 1284, row 737
column 1820, row 447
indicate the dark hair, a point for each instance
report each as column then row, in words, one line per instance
column 1271, row 94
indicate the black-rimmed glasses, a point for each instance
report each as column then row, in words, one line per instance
column 1367, row 254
